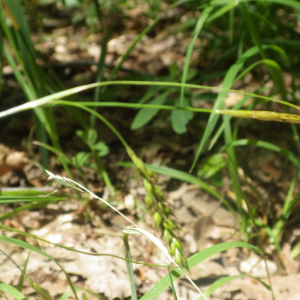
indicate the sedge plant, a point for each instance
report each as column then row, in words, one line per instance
column 245, row 46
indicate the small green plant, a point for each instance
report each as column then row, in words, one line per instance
column 97, row 151
column 171, row 96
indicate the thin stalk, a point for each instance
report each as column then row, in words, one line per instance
column 51, row 98
column 99, row 14
column 129, row 267
column 100, row 71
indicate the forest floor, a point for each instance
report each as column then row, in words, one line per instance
column 265, row 177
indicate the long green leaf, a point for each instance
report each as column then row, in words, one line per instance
column 291, row 3
column 220, row 282
column 233, row 170
column 229, row 6
column 16, row 199
column 198, row 28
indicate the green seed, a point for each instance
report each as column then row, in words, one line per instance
column 178, row 257
column 138, row 163
column 167, row 226
column 172, row 249
column 148, row 186
column 167, row 211
column 172, row 224
column 151, row 174
column 160, row 207
column 148, row 200
column 177, row 243
column 159, row 194
column 168, row 236
column 157, row 219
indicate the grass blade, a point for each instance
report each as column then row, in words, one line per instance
column 220, row 282
column 10, row 290
column 204, row 15
column 129, row 267
column 219, row 103
column 23, row 274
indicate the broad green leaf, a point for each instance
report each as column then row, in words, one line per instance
column 102, row 148
column 151, row 93
column 80, row 158
column 89, row 136
column 10, row 290
column 84, row 297
column 180, row 118
column 145, row 115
